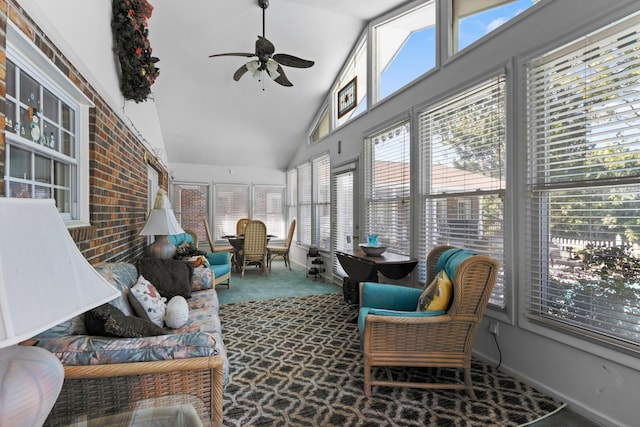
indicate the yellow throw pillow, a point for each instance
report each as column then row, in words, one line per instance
column 443, row 294
column 427, row 294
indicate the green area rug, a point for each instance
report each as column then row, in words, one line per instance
column 280, row 283
column 297, row 362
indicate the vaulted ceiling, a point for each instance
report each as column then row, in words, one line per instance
column 208, row 118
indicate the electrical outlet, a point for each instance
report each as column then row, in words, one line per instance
column 493, row 327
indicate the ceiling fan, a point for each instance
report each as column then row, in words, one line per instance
column 266, row 60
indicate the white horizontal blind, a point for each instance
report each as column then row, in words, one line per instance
column 231, row 203
column 304, row 204
column 342, row 216
column 462, row 158
column 387, row 185
column 268, row 207
column 322, row 202
column 584, row 185
column 291, row 201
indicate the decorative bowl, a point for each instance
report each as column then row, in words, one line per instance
column 372, row 250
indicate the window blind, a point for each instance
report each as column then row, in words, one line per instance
column 387, row 186
column 322, row 202
column 304, row 203
column 268, row 207
column 342, row 216
column 462, row 156
column 584, row 185
column 292, row 199
column 231, row 204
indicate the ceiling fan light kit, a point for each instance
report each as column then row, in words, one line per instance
column 267, row 60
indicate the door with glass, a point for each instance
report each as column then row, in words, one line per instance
column 345, row 227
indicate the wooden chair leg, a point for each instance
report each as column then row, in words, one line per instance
column 367, row 380
column 467, row 381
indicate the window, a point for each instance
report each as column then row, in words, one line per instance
column 405, row 48
column 190, row 203
column 322, row 128
column 268, row 207
column 474, row 19
column 584, row 185
column 231, row 204
column 351, row 86
column 46, row 131
column 322, row 202
column 343, row 213
column 304, row 204
column 314, row 207
column 462, row 176
column 291, row 200
column 387, row 177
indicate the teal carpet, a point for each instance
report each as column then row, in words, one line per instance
column 280, row 283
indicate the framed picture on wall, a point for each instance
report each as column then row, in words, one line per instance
column 348, row 97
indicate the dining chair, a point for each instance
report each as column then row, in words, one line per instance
column 240, row 226
column 255, row 246
column 283, row 251
column 212, row 246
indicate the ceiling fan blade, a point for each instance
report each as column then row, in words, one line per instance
column 292, row 61
column 240, row 72
column 248, row 55
column 282, row 78
column 264, row 46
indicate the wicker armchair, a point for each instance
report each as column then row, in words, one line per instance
column 254, row 250
column 283, row 251
column 411, row 339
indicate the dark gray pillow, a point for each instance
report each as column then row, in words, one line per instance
column 137, row 307
column 108, row 321
column 170, row 277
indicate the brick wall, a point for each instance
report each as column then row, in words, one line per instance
column 118, row 160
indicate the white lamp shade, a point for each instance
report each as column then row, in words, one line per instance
column 44, row 279
column 161, row 222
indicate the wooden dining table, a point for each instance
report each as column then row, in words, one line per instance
column 237, row 242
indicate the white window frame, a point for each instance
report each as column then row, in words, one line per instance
column 393, row 226
column 560, row 312
column 404, row 16
column 444, row 186
column 239, row 191
column 321, row 177
column 291, row 199
column 275, row 226
column 29, row 58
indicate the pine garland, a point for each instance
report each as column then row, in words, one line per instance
column 131, row 44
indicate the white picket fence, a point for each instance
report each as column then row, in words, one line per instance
column 571, row 246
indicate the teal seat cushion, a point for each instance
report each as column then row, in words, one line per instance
column 220, row 269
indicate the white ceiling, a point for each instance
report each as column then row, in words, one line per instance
column 205, row 116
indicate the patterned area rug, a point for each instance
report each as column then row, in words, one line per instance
column 297, row 362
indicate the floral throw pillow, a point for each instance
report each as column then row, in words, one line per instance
column 147, row 302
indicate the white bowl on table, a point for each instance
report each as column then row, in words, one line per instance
column 372, row 250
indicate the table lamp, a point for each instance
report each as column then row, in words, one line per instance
column 44, row 280
column 161, row 223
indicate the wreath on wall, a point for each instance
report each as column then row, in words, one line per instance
column 131, row 45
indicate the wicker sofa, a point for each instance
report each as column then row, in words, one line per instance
column 105, row 375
